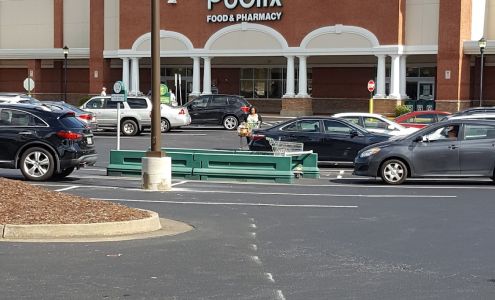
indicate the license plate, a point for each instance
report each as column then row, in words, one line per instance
column 89, row 140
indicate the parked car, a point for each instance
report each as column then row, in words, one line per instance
column 42, row 142
column 474, row 111
column 334, row 139
column 173, row 117
column 85, row 116
column 17, row 98
column 452, row 148
column 420, row 119
column 226, row 110
column 476, row 116
column 376, row 123
column 135, row 113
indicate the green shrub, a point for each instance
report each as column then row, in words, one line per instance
column 401, row 109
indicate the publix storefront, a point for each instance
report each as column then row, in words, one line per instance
column 294, row 57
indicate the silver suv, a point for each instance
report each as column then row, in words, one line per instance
column 135, row 113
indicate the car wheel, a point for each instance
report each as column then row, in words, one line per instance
column 165, row 125
column 393, row 171
column 129, row 128
column 64, row 173
column 37, row 164
column 230, row 122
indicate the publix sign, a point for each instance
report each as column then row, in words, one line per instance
column 245, row 17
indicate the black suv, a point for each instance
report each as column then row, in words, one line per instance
column 226, row 110
column 43, row 143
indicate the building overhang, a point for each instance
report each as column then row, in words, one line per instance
column 74, row 53
column 471, row 47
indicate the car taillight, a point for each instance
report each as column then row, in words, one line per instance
column 245, row 109
column 69, row 135
column 182, row 112
column 86, row 117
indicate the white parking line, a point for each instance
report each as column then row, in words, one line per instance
column 315, row 195
column 67, row 188
column 280, row 295
column 179, row 183
column 229, row 203
column 269, row 276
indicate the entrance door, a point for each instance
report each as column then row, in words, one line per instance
column 425, row 91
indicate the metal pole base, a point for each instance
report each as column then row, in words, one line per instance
column 157, row 173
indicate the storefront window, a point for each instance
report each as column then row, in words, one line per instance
column 260, row 89
column 277, row 73
column 247, row 88
column 268, row 83
column 427, row 72
column 412, row 72
column 261, row 73
column 247, row 73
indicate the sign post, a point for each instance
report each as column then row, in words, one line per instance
column 119, row 96
column 28, row 85
column 371, row 89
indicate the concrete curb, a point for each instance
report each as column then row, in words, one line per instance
column 46, row 231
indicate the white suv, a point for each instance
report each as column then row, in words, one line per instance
column 135, row 113
column 17, row 98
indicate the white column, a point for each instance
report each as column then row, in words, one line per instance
column 303, row 78
column 403, row 74
column 395, row 77
column 135, row 75
column 125, row 72
column 207, row 76
column 380, row 77
column 289, row 93
column 196, row 88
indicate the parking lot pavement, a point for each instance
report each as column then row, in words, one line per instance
column 331, row 238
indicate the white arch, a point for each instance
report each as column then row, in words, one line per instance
column 163, row 34
column 339, row 29
column 247, row 27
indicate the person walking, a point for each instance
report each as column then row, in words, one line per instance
column 103, row 91
column 253, row 121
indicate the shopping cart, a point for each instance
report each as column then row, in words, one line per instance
column 284, row 148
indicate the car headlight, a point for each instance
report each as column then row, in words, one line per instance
column 370, row 152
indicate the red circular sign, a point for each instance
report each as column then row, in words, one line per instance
column 371, row 86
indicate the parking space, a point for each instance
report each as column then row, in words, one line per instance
column 334, row 237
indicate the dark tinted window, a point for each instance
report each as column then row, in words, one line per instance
column 137, row 103
column 332, row 126
column 479, row 132
column 303, row 126
column 238, row 101
column 95, row 103
column 200, row 102
column 219, row 101
column 71, row 122
column 112, row 104
column 19, row 118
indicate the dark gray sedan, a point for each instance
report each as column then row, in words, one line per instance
column 453, row 148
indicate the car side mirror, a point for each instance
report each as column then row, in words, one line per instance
column 354, row 133
column 391, row 127
column 419, row 139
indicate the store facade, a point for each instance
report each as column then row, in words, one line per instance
column 285, row 56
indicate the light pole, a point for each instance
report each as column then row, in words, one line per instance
column 66, row 53
column 482, row 45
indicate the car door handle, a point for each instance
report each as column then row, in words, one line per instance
column 453, row 147
column 25, row 133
